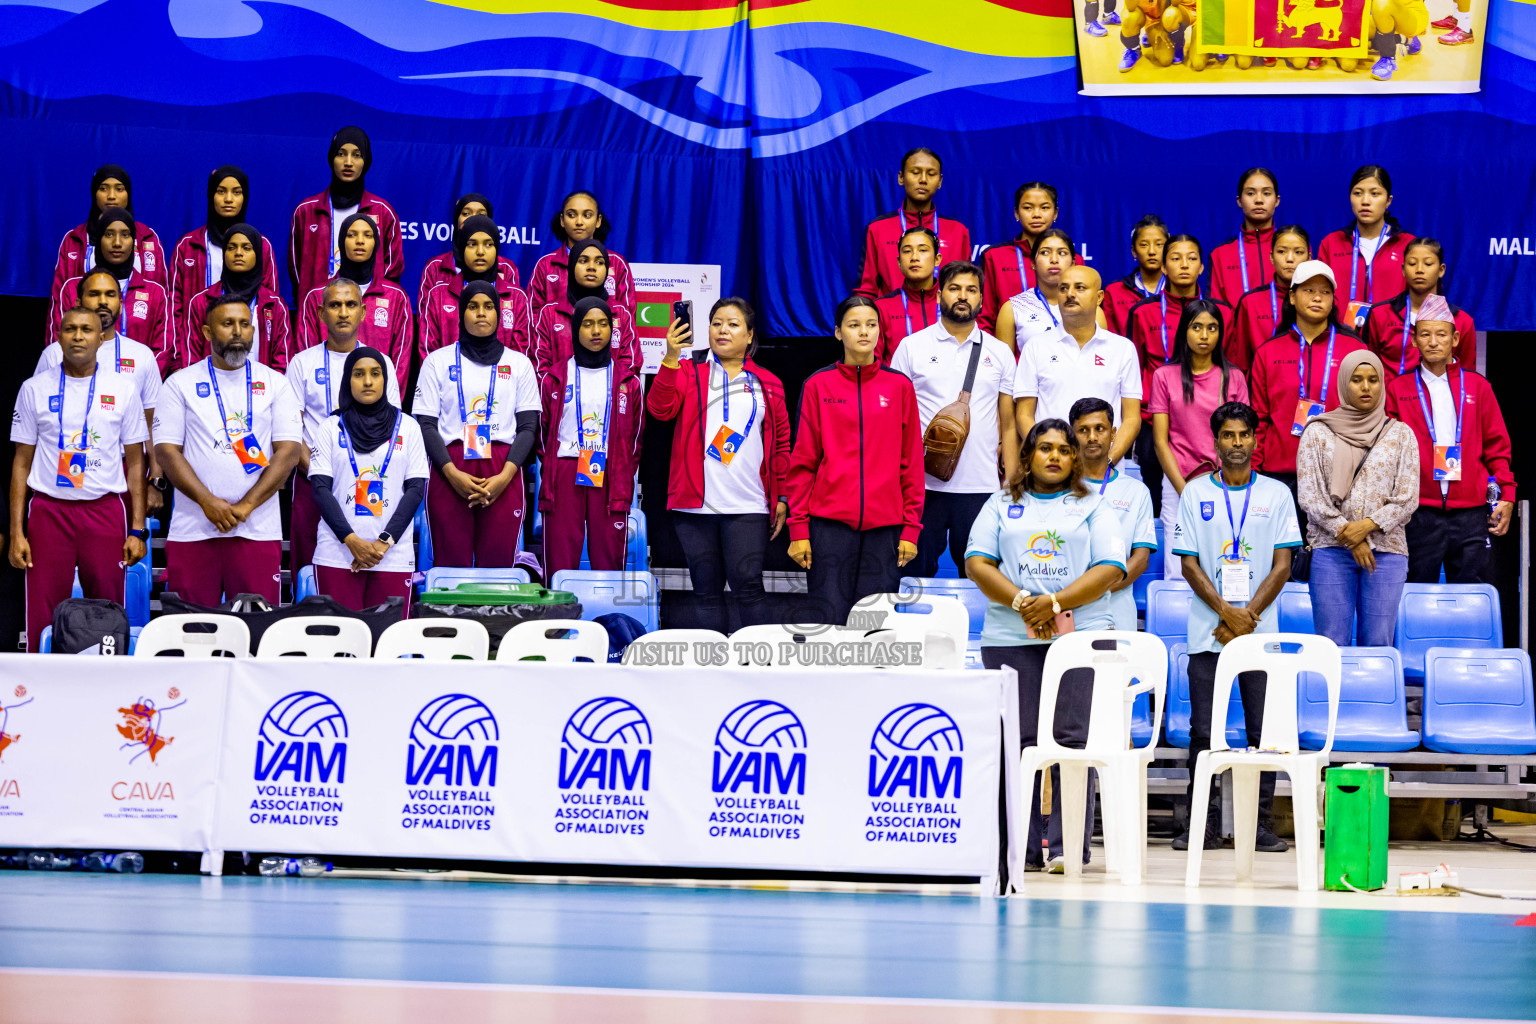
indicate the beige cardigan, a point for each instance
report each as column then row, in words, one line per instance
column 1387, row 489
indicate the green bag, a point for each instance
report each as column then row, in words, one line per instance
column 497, row 594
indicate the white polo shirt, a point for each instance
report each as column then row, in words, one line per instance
column 1056, row 372
column 936, row 363
column 315, row 377
column 133, row 359
column 512, row 382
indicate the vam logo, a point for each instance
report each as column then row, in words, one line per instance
column 760, row 746
column 606, row 744
column 453, row 743
column 916, row 752
column 302, row 736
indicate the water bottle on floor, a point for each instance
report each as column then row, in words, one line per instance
column 128, row 863
column 305, row 867
column 45, row 860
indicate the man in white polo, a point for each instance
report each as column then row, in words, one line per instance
column 1079, row 360
column 938, row 359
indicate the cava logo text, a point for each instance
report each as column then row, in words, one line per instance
column 916, row 770
column 301, row 762
column 605, row 769
column 450, row 766
column 760, row 749
column 1510, row 247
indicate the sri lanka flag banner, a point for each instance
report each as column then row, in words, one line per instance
column 1286, row 28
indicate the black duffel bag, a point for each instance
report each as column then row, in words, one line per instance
column 496, row 618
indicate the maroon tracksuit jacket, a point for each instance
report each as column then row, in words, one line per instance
column 1274, row 388
column 904, row 312
column 626, row 422
column 1250, row 249
column 1255, row 321
column 881, row 271
column 1399, row 355
column 1485, row 447
column 189, row 269
column 1379, row 281
column 309, row 241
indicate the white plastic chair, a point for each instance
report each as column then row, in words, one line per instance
column 530, row 641
column 229, row 636
column 915, row 617
column 316, row 636
column 1279, row 748
column 687, row 637
column 1125, row 665
column 449, row 639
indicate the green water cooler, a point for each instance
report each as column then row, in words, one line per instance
column 1355, row 823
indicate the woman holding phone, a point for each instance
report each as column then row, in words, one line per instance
column 1026, row 535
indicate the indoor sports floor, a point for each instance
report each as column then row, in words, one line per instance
column 170, row 949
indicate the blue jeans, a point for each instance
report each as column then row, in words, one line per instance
column 1343, row 593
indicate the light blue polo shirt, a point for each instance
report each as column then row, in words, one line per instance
column 1042, row 543
column 1204, row 531
column 1131, row 502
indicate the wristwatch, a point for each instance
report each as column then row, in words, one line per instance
column 159, row 483
column 1055, row 605
column 141, row 534
column 387, row 539
column 1019, row 599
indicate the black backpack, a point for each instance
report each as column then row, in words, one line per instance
column 83, row 625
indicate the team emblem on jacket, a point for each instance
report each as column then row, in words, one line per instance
column 885, row 402
column 190, row 263
column 553, row 277
column 506, row 317
column 380, row 317
column 141, row 310
column 314, row 227
column 1207, row 510
column 623, row 403
column 610, row 287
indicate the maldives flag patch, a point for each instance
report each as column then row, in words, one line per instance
column 653, row 313
column 258, row 388
column 108, row 402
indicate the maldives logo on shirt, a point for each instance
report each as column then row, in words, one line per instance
column 1044, row 546
column 1229, row 555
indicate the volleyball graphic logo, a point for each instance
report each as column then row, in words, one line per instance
column 606, row 745
column 759, row 725
column 915, row 729
column 304, row 715
column 606, row 720
column 454, row 718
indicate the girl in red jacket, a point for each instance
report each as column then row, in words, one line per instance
column 1237, row 266
column 111, row 188
column 1148, row 239
column 587, row 267
column 1008, row 269
column 144, row 314
column 579, row 219
column 1388, row 329
column 1366, row 256
column 240, row 278
column 920, row 178
column 445, row 269
column 198, row 259
column 314, row 239
column 856, row 473
column 730, row 452
column 591, row 447
column 476, row 253
column 1256, row 317
column 386, row 313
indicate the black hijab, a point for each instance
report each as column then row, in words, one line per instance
column 472, row 197
column 484, row 351
column 104, row 172
column 242, row 285
column 347, row 194
column 368, row 426
column 584, row 356
column 122, row 271
column 218, row 227
column 575, row 292
column 351, row 269
column 461, row 237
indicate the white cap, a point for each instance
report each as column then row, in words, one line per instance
column 1310, row 269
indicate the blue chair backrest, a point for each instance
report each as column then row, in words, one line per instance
column 136, row 586
column 1479, row 701
column 306, row 584
column 967, row 592
column 601, row 593
column 423, row 529
column 1372, row 701
column 1296, row 609
column 447, row 576
column 1168, row 609
column 1129, row 468
column 1156, row 560
column 1179, row 710
column 1465, row 615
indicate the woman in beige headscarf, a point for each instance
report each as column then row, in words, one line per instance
column 1357, row 475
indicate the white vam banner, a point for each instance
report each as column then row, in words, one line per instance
column 850, row 771
column 109, row 753
column 657, row 286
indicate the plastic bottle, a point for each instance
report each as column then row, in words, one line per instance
column 305, row 867
column 128, row 863
column 45, row 860
column 1493, row 507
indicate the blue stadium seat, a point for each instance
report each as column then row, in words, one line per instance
column 1154, row 570
column 423, row 530
column 1296, row 609
column 1129, row 468
column 601, row 593
column 1465, row 615
column 1176, row 720
column 947, row 569
column 1373, row 706
column 136, row 583
column 447, row 577
column 1168, row 609
column 1478, row 701
column 305, row 585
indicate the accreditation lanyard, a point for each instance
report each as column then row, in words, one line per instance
column 907, row 312
column 346, row 442
column 1236, row 524
column 1274, row 304
column 85, row 423
column 1402, row 358
column 917, row 222
column 1162, row 323
column 458, row 378
column 1429, row 416
column 1047, row 307
column 727, row 442
column 1301, row 366
column 368, row 495
column 1354, row 265
column 246, row 447
column 117, row 353
column 1107, row 478
column 581, row 431
column 1242, row 257
column 336, row 239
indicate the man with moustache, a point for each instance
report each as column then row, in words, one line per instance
column 948, row 358
column 227, row 433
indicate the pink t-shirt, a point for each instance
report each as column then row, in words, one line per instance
column 1189, row 423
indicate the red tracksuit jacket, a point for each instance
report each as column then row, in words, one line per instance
column 551, row 338
column 1149, row 322
column 1255, row 321
column 1226, row 264
column 1384, row 336
column 1120, row 297
column 681, row 394
column 1485, row 447
column 439, row 319
column 148, row 252
column 626, row 422
column 443, row 270
column 272, row 343
column 386, row 324
column 899, row 319
column 1376, row 283
column 1274, row 389
column 881, row 271
column 189, row 270
column 309, row 241
column 858, row 455
column 1001, row 278
column 146, row 316
column 547, row 282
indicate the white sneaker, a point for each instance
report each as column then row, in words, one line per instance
column 1056, row 866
